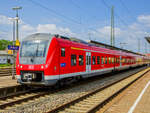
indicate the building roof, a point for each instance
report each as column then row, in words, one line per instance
column 112, row 47
column 148, row 39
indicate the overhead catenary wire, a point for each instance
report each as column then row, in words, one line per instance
column 115, row 14
column 133, row 18
column 82, row 9
column 129, row 12
column 127, row 9
column 62, row 15
column 54, row 12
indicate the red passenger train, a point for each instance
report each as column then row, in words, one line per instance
column 45, row 59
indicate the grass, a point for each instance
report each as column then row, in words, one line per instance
column 5, row 65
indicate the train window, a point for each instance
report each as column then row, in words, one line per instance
column 109, row 60
column 102, row 59
column 105, row 60
column 94, row 60
column 122, row 60
column 87, row 60
column 118, row 60
column 98, row 59
column 80, row 60
column 112, row 59
column 63, row 52
column 73, row 60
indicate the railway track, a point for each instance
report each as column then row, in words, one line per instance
column 24, row 96
column 91, row 102
column 7, row 71
column 25, row 100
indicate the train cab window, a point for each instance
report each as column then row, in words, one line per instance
column 80, row 60
column 105, row 60
column 93, row 60
column 98, row 59
column 63, row 52
column 73, row 60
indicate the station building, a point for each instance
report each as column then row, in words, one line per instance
column 5, row 57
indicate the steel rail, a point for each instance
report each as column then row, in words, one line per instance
column 93, row 109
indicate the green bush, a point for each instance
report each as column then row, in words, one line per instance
column 4, row 44
column 5, row 65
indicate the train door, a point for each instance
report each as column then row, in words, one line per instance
column 88, row 62
column 120, row 61
column 114, row 62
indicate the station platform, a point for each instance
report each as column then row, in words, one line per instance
column 7, row 81
column 134, row 99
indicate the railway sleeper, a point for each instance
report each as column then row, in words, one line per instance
column 75, row 110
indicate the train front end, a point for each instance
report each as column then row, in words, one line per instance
column 31, row 59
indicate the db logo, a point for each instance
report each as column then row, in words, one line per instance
column 31, row 67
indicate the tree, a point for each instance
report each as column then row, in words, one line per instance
column 4, row 44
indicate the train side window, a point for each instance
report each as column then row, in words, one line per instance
column 102, row 59
column 93, row 60
column 73, row 60
column 98, row 59
column 118, row 60
column 112, row 60
column 87, row 61
column 63, row 52
column 109, row 59
column 80, row 60
column 105, row 60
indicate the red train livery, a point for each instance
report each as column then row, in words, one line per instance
column 45, row 59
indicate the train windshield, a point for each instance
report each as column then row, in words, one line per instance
column 35, row 48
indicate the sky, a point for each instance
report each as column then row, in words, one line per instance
column 84, row 19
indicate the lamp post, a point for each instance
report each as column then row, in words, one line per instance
column 17, row 32
column 13, row 20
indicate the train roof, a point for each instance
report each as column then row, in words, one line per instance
column 39, row 36
column 94, row 45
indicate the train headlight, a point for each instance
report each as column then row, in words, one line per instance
column 42, row 67
column 20, row 66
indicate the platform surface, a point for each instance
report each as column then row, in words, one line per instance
column 135, row 99
column 7, row 81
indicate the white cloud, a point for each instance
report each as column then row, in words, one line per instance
column 104, row 33
column 53, row 29
column 27, row 28
column 5, row 20
column 130, row 34
column 144, row 19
